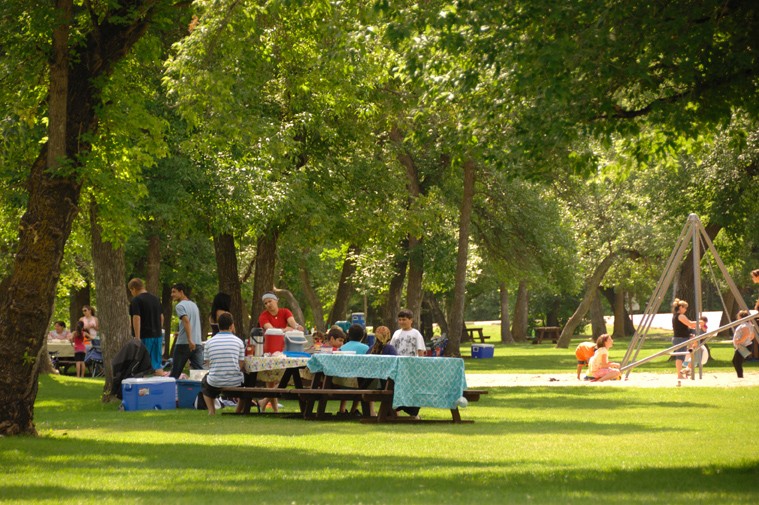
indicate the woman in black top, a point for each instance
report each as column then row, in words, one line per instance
column 681, row 326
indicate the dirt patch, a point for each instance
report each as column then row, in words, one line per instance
column 636, row 379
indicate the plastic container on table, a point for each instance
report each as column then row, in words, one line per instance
column 274, row 341
column 295, row 341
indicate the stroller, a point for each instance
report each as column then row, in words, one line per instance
column 94, row 359
column 133, row 360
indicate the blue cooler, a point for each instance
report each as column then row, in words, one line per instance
column 482, row 350
column 370, row 339
column 152, row 393
column 187, row 391
column 344, row 325
column 358, row 318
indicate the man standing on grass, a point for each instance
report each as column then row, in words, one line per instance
column 147, row 322
column 225, row 355
column 189, row 345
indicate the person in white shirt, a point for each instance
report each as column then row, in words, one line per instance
column 225, row 356
column 407, row 340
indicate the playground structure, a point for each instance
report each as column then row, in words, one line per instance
column 693, row 235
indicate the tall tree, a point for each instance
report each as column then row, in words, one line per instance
column 106, row 32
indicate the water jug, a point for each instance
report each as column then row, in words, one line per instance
column 274, row 341
column 257, row 340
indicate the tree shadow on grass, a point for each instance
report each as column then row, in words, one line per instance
column 72, row 471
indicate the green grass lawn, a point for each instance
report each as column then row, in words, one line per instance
column 528, row 445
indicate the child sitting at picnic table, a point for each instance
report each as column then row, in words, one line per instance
column 583, row 353
column 600, row 367
column 382, row 342
column 355, row 335
column 334, row 339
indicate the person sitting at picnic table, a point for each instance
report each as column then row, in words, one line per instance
column 224, row 354
column 334, row 339
column 584, row 352
column 275, row 317
column 600, row 367
column 355, row 335
column 60, row 332
column 382, row 342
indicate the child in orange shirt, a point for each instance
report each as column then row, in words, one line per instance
column 584, row 352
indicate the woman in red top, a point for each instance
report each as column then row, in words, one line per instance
column 274, row 317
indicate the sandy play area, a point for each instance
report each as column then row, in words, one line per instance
column 636, row 379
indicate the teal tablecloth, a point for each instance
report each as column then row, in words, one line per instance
column 419, row 382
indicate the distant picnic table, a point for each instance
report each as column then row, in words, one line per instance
column 479, row 335
column 552, row 332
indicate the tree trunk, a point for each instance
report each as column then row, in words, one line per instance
column 438, row 315
column 624, row 316
column 506, row 336
column 168, row 309
column 229, row 277
column 521, row 313
column 620, row 313
column 414, row 281
column 113, row 307
column 462, row 255
column 345, row 286
column 597, row 322
column 393, row 303
column 263, row 281
column 312, row 299
column 591, row 286
column 78, row 299
column 153, row 268
column 291, row 303
column 27, row 295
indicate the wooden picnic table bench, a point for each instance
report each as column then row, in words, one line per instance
column 481, row 336
column 552, row 332
column 308, row 398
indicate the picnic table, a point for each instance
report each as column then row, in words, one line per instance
column 411, row 381
column 471, row 334
column 552, row 332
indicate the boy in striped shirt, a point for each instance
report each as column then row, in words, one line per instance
column 224, row 354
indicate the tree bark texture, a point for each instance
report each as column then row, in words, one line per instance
column 591, row 286
column 345, row 286
column 521, row 313
column 229, row 277
column 312, row 298
column 438, row 315
column 506, row 336
column 78, row 298
column 611, row 296
column 113, row 308
column 168, row 309
column 393, row 303
column 291, row 303
column 414, row 281
column 153, row 268
column 459, row 288
column 263, row 280
column 597, row 322
column 28, row 293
